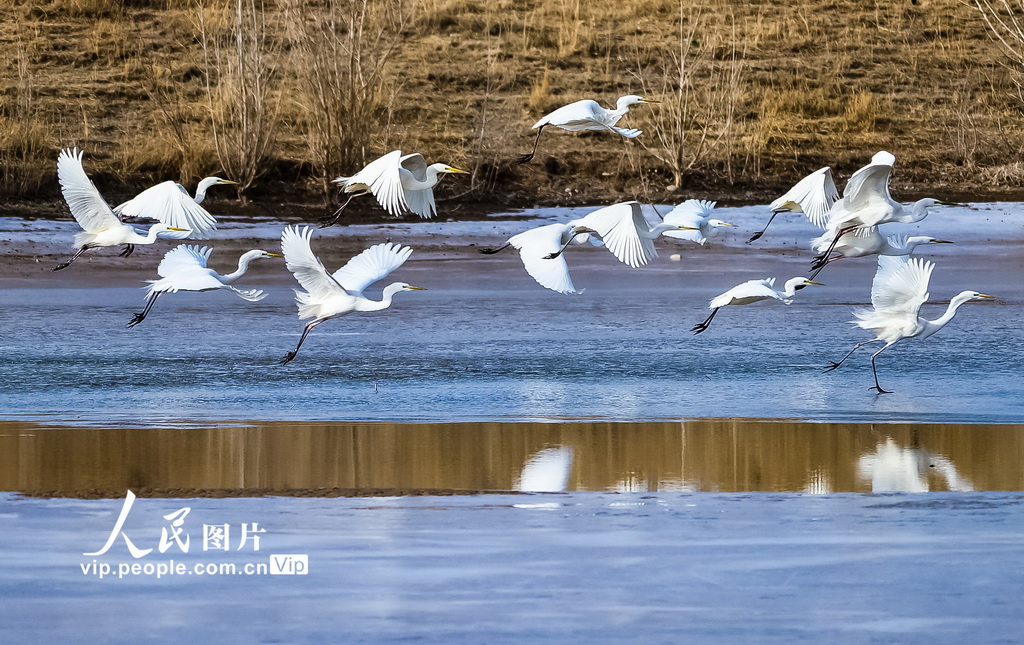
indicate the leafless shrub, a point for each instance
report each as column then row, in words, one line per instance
column 699, row 79
column 25, row 164
column 240, row 65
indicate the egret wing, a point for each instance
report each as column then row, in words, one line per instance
column 619, row 226
column 901, row 284
column 749, row 289
column 575, row 114
column 815, row 194
column 183, row 258
column 421, row 202
column 87, row 205
column 171, row 204
column 384, row 179
column 870, row 184
column 533, row 246
column 371, row 265
column 692, row 210
column 305, row 266
column 416, row 164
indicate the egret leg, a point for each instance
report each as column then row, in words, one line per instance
column 552, row 256
column 128, row 250
column 818, row 266
column 834, row 365
column 333, row 219
column 78, row 254
column 832, row 246
column 139, row 317
column 757, row 236
column 699, row 327
column 497, row 250
column 305, row 332
column 526, row 158
column 878, row 387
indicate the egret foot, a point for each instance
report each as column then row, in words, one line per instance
column 879, row 389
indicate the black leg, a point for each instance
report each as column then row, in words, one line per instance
column 699, row 327
column 78, row 254
column 333, row 219
column 497, row 250
column 139, row 317
column 128, row 250
column 305, row 332
column 834, row 365
column 552, row 256
column 877, row 387
column 528, row 157
column 835, row 241
column 757, row 236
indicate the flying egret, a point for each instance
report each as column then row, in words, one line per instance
column 328, row 296
column 695, row 214
column 401, row 184
column 899, row 289
column 184, row 269
column 622, row 228
column 171, row 204
column 753, row 291
column 101, row 227
column 866, row 201
column 868, row 241
column 813, row 196
column 587, row 115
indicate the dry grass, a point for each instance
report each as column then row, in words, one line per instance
column 752, row 99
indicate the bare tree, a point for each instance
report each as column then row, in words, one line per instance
column 240, row 68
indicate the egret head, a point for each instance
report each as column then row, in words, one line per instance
column 259, row 254
column 443, row 167
column 717, row 223
column 928, row 202
column 632, row 99
column 803, row 282
column 978, row 296
column 213, row 181
column 408, row 287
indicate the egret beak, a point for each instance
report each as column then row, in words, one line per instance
column 687, row 228
column 458, row 170
column 415, row 288
column 274, row 255
column 644, row 99
column 175, row 228
column 942, row 203
column 942, row 242
column 726, row 224
column 820, row 284
column 228, row 181
column 984, row 295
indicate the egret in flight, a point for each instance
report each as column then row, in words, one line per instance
column 587, row 115
column 813, row 196
column 868, row 241
column 696, row 215
column 401, row 184
column 753, row 291
column 100, row 226
column 622, row 228
column 171, row 204
column 899, row 289
column 329, row 295
column 184, row 269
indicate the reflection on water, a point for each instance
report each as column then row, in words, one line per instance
column 365, row 458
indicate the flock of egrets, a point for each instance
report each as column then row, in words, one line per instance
column 404, row 184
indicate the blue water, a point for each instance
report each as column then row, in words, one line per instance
column 486, row 343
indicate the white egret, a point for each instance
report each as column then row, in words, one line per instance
column 171, row 204
column 328, row 295
column 101, row 227
column 587, row 115
column 753, row 291
column 621, row 227
column 695, row 214
column 401, row 184
column 184, row 269
column 867, row 241
column 813, row 196
column 899, row 289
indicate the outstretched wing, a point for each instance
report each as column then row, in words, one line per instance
column 171, row 204
column 183, row 258
column 619, row 226
column 814, row 194
column 384, row 181
column 870, row 184
column 305, row 266
column 416, row 164
column 692, row 210
column 533, row 246
column 901, row 284
column 87, row 205
column 371, row 265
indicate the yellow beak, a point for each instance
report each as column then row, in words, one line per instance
column 458, row 170
column 644, row 99
column 175, row 228
column 228, row 181
column 984, row 295
column 274, row 255
column 416, row 288
column 820, row 284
